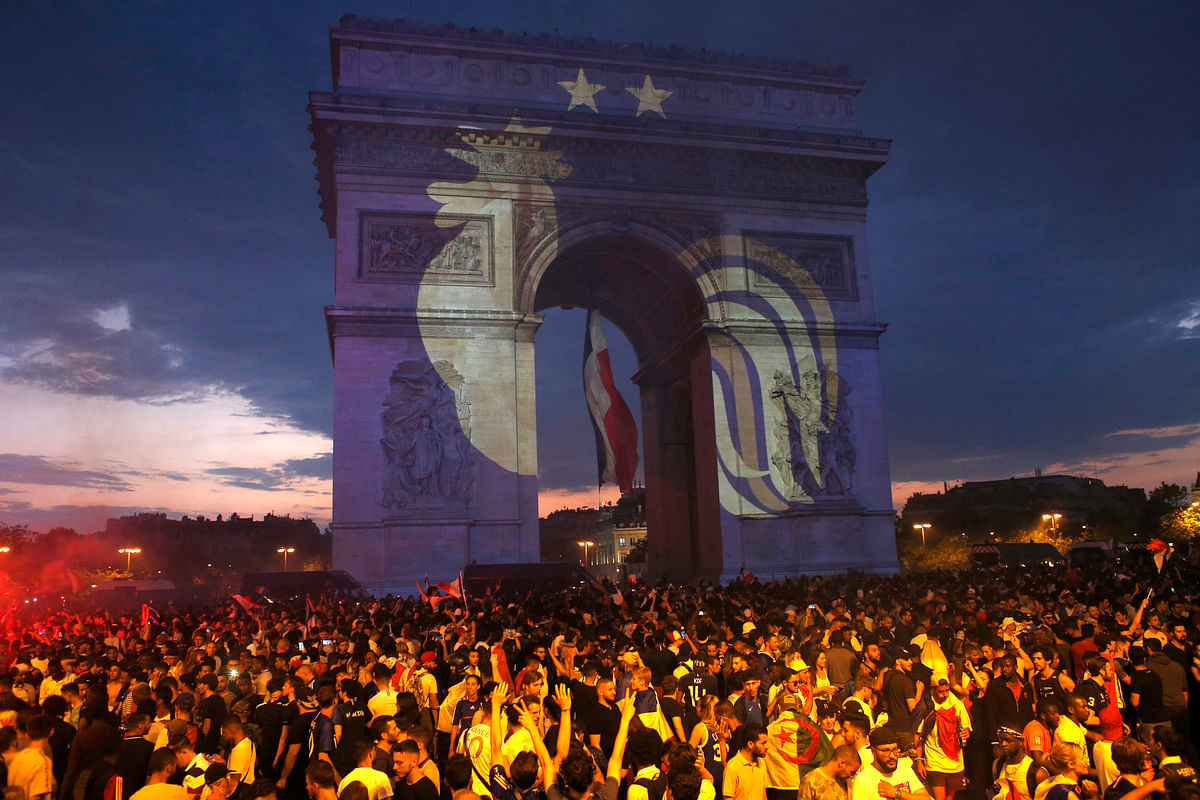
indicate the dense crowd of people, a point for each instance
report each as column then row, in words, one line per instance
column 1028, row 684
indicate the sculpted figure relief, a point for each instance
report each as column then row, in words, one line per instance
column 814, row 449
column 426, row 430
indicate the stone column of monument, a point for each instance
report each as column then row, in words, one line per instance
column 713, row 211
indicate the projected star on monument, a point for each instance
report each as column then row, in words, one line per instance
column 582, row 92
column 649, row 98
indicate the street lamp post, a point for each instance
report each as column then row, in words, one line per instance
column 285, row 551
column 585, row 546
column 922, row 527
column 1053, row 518
column 129, row 551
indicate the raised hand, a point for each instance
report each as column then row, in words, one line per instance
column 499, row 694
column 525, row 719
column 627, row 706
column 562, row 694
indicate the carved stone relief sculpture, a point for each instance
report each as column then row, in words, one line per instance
column 426, row 438
column 814, row 446
column 409, row 248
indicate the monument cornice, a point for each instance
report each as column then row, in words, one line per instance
column 610, row 81
column 354, row 28
column 456, row 323
column 817, row 168
column 386, row 117
column 853, row 335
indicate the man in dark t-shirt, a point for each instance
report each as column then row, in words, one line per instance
column 210, row 712
column 1145, row 693
column 272, row 718
column 605, row 719
column 320, row 735
column 899, row 690
column 672, row 708
column 410, row 783
column 349, row 718
column 291, row 782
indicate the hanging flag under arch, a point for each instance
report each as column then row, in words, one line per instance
column 616, row 431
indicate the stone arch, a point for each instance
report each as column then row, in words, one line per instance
column 690, row 254
column 656, row 301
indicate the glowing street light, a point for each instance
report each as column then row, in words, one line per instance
column 5, row 549
column 129, row 552
column 285, row 551
column 585, row 546
column 922, row 527
column 1053, row 518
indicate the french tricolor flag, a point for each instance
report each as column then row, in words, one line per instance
column 616, row 432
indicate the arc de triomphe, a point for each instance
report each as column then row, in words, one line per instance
column 713, row 207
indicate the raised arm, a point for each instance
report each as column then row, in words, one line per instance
column 549, row 766
column 499, row 695
column 618, row 753
column 563, row 695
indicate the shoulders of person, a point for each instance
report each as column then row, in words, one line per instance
column 424, row 789
column 160, row 791
column 906, row 774
column 866, row 782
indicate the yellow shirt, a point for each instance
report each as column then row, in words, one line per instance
column 745, row 779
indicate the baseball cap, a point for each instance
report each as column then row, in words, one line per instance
column 214, row 773
column 881, row 737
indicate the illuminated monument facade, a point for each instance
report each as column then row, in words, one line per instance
column 712, row 207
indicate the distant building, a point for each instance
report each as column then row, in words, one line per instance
column 1196, row 489
column 613, row 531
column 234, row 542
column 1018, row 504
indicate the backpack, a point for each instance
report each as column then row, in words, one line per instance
column 998, row 789
column 655, row 787
column 921, row 721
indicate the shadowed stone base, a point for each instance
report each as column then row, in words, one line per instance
column 817, row 542
column 393, row 557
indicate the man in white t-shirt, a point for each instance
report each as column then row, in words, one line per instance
column 30, row 769
column 383, row 702
column 944, row 731
column 379, row 785
column 241, row 751
column 885, row 777
column 1071, row 728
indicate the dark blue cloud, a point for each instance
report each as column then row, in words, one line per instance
column 280, row 477
column 19, row 468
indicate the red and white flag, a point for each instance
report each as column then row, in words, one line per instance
column 454, row 589
column 616, row 432
column 246, row 603
column 1161, row 551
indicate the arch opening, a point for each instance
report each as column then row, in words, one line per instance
column 653, row 300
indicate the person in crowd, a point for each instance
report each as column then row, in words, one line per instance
column 830, row 780
column 885, row 776
column 31, row 769
column 161, row 768
column 378, row 785
column 1016, row 775
column 745, row 775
